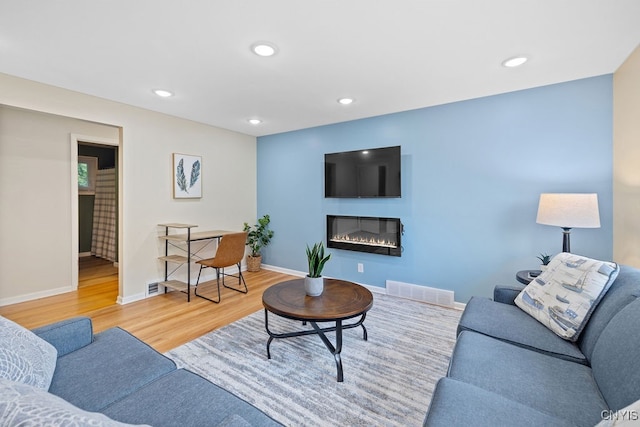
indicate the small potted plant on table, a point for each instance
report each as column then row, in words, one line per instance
column 314, row 282
column 258, row 236
column 545, row 259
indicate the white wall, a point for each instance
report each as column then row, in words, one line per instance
column 626, row 160
column 148, row 140
column 35, row 218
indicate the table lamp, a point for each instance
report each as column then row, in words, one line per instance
column 568, row 211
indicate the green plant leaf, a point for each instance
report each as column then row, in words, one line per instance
column 258, row 236
column 316, row 259
column 545, row 259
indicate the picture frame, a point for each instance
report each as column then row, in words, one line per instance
column 187, row 176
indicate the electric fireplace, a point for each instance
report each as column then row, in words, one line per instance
column 365, row 234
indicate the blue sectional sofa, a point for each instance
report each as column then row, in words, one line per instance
column 110, row 374
column 509, row 369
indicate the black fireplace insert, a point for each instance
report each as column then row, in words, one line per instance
column 365, row 234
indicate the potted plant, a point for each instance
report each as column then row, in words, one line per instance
column 314, row 282
column 545, row 259
column 258, row 236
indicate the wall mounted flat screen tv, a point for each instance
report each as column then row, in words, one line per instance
column 363, row 173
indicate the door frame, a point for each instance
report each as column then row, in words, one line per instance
column 75, row 250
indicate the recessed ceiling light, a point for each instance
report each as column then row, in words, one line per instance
column 345, row 101
column 255, row 121
column 264, row 49
column 163, row 93
column 516, row 61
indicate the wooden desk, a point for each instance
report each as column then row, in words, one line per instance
column 200, row 235
column 187, row 238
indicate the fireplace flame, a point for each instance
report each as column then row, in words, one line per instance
column 370, row 241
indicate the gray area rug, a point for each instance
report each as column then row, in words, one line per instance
column 388, row 380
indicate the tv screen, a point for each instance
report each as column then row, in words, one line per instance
column 363, row 173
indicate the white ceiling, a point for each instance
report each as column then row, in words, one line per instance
column 390, row 55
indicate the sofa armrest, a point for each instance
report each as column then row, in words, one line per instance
column 507, row 293
column 67, row 335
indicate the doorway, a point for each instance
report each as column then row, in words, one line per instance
column 96, row 212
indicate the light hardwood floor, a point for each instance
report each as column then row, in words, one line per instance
column 164, row 322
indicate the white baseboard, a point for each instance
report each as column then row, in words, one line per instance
column 420, row 293
column 130, row 299
column 283, row 270
column 36, row 295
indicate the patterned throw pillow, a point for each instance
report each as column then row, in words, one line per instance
column 24, row 356
column 563, row 297
column 23, row 405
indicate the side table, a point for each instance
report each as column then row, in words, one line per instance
column 524, row 276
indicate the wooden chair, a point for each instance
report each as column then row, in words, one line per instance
column 230, row 252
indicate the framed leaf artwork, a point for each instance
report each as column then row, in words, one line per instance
column 187, row 176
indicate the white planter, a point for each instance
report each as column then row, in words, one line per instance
column 543, row 268
column 313, row 286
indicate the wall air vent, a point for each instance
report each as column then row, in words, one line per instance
column 153, row 288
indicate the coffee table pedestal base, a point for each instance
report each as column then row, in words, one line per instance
column 321, row 332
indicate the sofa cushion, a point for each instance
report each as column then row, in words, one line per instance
column 25, row 357
column 563, row 297
column 455, row 403
column 115, row 365
column 507, row 293
column 67, row 335
column 615, row 361
column 234, row 420
column 623, row 291
column 24, row 405
column 509, row 323
column 185, row 396
column 554, row 386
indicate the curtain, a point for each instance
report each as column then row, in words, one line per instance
column 103, row 243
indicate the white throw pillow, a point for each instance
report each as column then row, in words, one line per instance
column 563, row 297
column 24, row 356
column 23, row 405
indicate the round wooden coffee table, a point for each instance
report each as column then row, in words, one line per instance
column 340, row 301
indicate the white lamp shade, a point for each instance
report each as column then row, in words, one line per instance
column 569, row 210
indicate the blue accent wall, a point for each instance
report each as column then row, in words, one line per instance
column 472, row 173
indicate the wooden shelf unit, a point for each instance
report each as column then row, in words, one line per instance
column 177, row 285
column 187, row 238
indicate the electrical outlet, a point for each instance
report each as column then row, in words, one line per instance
column 360, row 267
